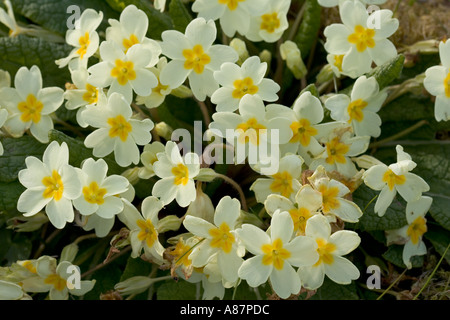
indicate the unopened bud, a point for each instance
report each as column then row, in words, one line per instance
column 69, row 252
column 163, row 130
column 133, row 285
column 292, row 55
column 325, row 74
column 241, row 49
column 5, row 79
column 169, row 223
column 206, row 175
column 27, row 224
column 366, row 161
column 132, row 175
column 266, row 56
column 201, row 207
column 182, row 92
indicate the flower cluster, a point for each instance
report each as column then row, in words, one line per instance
column 304, row 157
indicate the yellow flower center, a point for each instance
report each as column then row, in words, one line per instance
column 222, row 238
column 196, row 59
column 329, row 198
column 91, row 94
column 325, row 250
column 84, row 42
column 56, row 281
column 123, row 71
column 251, row 131
column 31, row 109
column 94, row 194
column 447, row 85
column 181, row 254
column 417, row 229
column 355, row 108
column 160, row 87
column 181, row 173
column 303, row 131
column 300, row 216
column 392, row 179
column 338, row 61
column 54, row 186
column 119, row 127
column 336, row 151
column 270, row 22
column 128, row 43
column 282, row 184
column 362, row 38
column 243, row 87
column 275, row 254
column 232, row 4
column 147, row 232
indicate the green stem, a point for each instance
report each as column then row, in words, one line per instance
column 237, row 187
column 392, row 284
column 399, row 135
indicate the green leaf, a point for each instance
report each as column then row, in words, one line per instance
column 16, row 151
column 25, row 51
column 388, row 72
column 440, row 239
column 179, row 14
column 177, row 290
column 333, row 291
column 394, row 256
column 311, row 88
column 394, row 217
column 53, row 15
column 78, row 152
column 136, row 267
column 309, row 27
column 10, row 193
column 157, row 21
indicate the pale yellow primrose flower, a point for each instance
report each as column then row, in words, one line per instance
column 233, row 14
column 340, row 146
column 308, row 202
column 276, row 254
column 284, row 182
column 177, row 175
column 131, row 29
column 437, row 82
column 238, row 81
column 360, row 109
column 10, row 291
column 360, row 42
column 411, row 234
column 83, row 37
column 117, row 131
column 194, row 57
column 98, row 190
column 333, row 193
column 29, row 105
column 144, row 228
column 331, row 248
column 270, row 24
column 160, row 5
column 124, row 72
column 148, row 158
column 395, row 178
column 220, row 239
column 51, row 183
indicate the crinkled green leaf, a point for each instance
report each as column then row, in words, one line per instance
column 394, row 256
column 394, row 217
column 179, row 14
column 157, row 21
column 53, row 15
column 440, row 239
column 176, row 290
column 25, row 51
column 333, row 291
column 15, row 153
column 309, row 27
column 388, row 72
column 136, row 267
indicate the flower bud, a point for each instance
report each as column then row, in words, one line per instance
column 163, row 130
column 169, row 223
column 325, row 75
column 5, row 79
column 132, row 175
column 69, row 252
column 202, row 207
column 206, row 175
column 241, row 49
column 182, row 92
column 292, row 55
column 27, row 224
column 133, row 285
column 366, row 161
column 266, row 56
